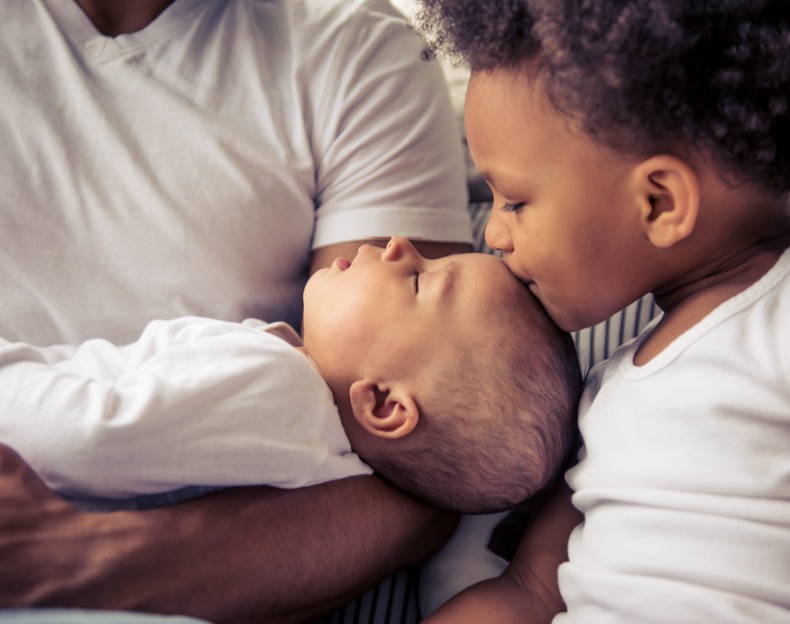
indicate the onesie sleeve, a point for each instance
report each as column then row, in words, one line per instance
column 389, row 152
column 192, row 402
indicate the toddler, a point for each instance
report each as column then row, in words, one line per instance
column 644, row 147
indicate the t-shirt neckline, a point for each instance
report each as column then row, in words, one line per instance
column 97, row 47
column 719, row 314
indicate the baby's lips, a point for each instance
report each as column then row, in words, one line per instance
column 342, row 263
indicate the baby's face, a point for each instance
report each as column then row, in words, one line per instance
column 388, row 310
column 563, row 210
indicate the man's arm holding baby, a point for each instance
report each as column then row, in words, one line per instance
column 241, row 554
column 527, row 591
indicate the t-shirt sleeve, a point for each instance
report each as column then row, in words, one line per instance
column 389, row 152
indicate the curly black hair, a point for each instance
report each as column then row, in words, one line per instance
column 645, row 76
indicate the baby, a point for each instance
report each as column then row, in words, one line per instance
column 444, row 376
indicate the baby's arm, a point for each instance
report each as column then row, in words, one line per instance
column 527, row 591
column 65, row 410
column 193, row 401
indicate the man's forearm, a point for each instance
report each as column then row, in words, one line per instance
column 247, row 554
column 315, row 549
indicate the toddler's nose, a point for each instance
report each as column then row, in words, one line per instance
column 498, row 233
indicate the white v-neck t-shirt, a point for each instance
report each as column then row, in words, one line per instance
column 190, row 168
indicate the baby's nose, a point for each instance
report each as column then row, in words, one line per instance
column 397, row 248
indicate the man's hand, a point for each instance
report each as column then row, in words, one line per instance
column 46, row 556
column 239, row 555
column 33, row 521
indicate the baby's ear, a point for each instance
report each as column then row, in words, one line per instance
column 383, row 411
column 668, row 196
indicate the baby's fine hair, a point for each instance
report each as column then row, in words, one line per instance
column 645, row 76
column 499, row 425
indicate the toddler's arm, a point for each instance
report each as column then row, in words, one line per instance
column 527, row 591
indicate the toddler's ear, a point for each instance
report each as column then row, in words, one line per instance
column 668, row 198
column 384, row 412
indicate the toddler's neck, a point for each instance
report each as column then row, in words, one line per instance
column 692, row 301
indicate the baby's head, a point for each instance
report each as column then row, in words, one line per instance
column 627, row 143
column 450, row 379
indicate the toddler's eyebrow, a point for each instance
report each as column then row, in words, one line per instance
column 501, row 181
column 490, row 177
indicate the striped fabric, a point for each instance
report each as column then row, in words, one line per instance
column 597, row 343
column 394, row 600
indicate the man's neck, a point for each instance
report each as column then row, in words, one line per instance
column 118, row 17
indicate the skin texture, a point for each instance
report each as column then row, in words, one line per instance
column 526, row 152
column 123, row 16
column 376, row 314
